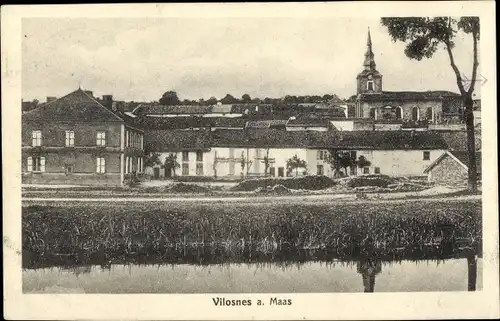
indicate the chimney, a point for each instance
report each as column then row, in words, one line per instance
column 50, row 98
column 107, row 101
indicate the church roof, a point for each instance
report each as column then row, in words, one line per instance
column 408, row 95
column 77, row 106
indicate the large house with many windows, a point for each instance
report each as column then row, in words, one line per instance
column 77, row 140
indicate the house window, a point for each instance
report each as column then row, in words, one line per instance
column 36, row 164
column 377, row 170
column 281, row 171
column 185, row 156
column 427, row 155
column 36, row 138
column 231, row 153
column 353, row 155
column 272, row 171
column 322, row 155
column 101, row 138
column 101, row 165
column 366, row 170
column 199, row 169
column 429, row 114
column 70, row 138
column 369, row 85
column 185, row 169
column 353, row 170
column 68, row 169
column 415, row 113
column 199, row 156
column 320, row 170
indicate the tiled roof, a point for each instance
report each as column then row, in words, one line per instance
column 156, row 109
column 192, row 122
column 164, row 140
column 259, row 138
column 76, row 106
column 463, row 157
column 336, row 101
column 176, row 140
column 457, row 140
column 408, row 95
column 226, row 122
column 308, row 122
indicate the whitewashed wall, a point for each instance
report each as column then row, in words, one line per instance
column 390, row 162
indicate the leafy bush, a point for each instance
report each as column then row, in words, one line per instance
column 132, row 180
column 187, row 188
column 306, row 182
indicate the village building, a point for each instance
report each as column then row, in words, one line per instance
column 451, row 168
column 77, row 140
column 372, row 101
column 235, row 154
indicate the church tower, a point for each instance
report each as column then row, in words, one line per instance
column 369, row 80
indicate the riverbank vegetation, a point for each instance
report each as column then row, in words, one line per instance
column 79, row 233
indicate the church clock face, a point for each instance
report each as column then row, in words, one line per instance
column 370, row 77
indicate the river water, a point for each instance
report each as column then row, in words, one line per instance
column 403, row 276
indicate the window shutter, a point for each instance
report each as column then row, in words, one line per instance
column 30, row 164
column 42, row 164
column 98, row 160
column 103, row 165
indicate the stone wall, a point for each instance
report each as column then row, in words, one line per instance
column 448, row 172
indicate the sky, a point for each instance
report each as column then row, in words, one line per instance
column 139, row 59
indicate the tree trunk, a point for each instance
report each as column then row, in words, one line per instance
column 471, row 143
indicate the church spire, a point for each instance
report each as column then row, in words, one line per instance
column 369, row 63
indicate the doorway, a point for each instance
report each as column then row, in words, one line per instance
column 281, row 172
column 156, row 172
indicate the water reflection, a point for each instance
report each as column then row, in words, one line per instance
column 368, row 275
column 368, row 269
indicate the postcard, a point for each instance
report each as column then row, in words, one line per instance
column 250, row 161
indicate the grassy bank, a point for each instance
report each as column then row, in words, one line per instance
column 76, row 233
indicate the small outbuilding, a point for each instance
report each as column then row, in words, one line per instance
column 451, row 168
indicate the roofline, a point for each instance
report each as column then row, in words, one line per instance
column 79, row 89
column 102, row 106
column 434, row 163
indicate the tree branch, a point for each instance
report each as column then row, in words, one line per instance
column 455, row 68
column 476, row 62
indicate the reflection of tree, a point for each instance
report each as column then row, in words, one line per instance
column 368, row 268
column 471, row 272
column 77, row 270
